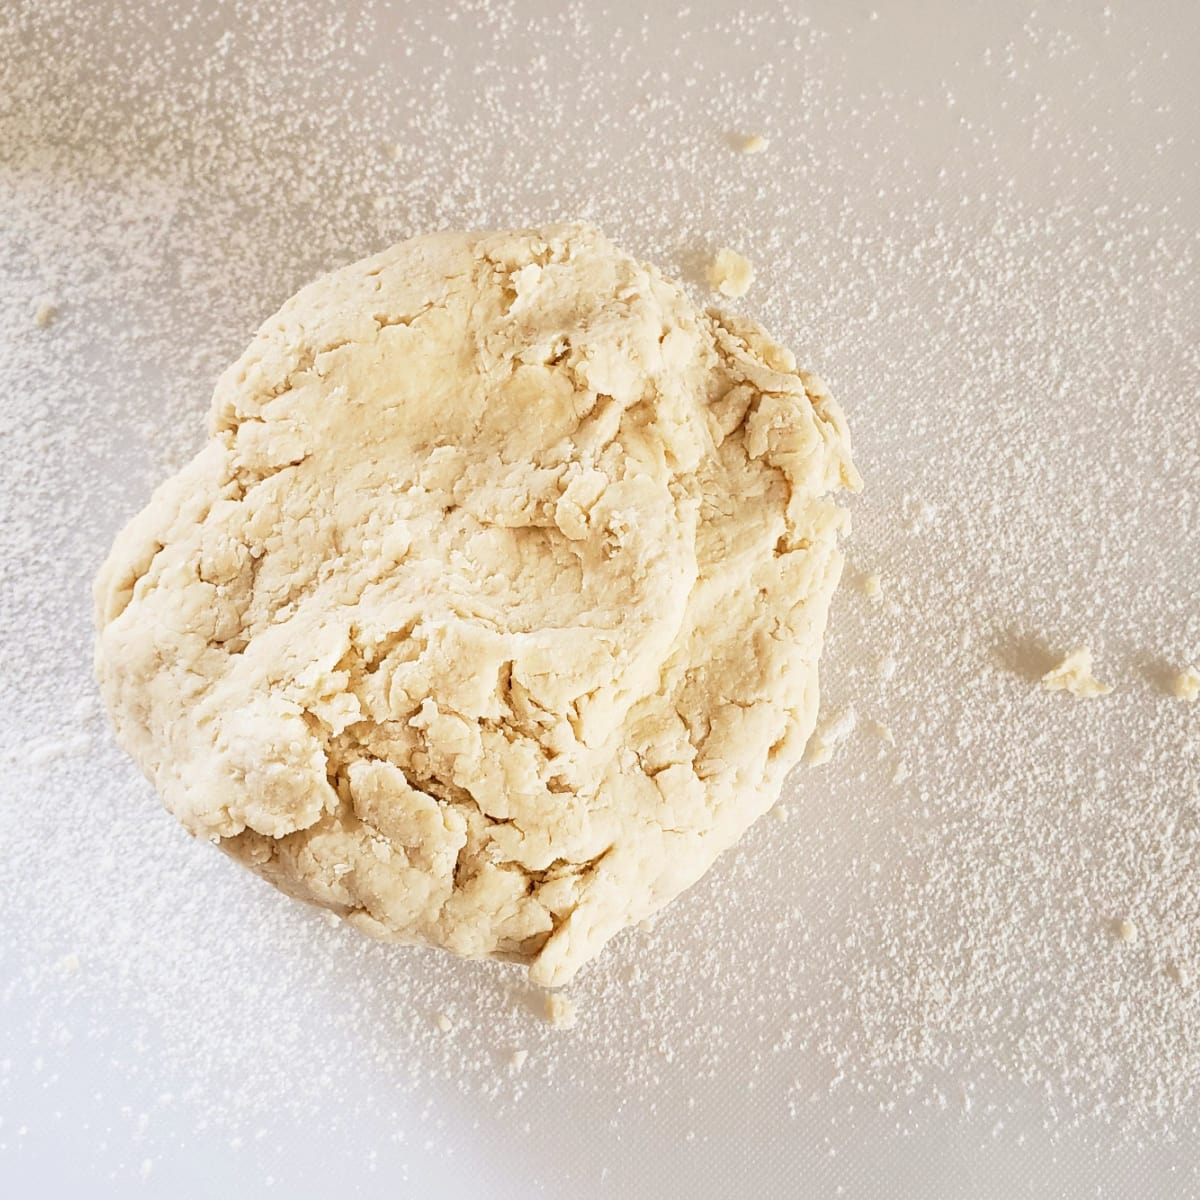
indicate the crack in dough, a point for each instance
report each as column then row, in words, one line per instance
column 490, row 614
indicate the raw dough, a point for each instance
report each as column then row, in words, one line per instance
column 560, row 1011
column 834, row 730
column 1074, row 675
column 1127, row 931
column 1186, row 684
column 730, row 273
column 489, row 615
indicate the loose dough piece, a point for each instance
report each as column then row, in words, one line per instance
column 1074, row 675
column 560, row 1011
column 834, row 730
column 490, row 614
column 884, row 732
column 1127, row 931
column 1186, row 684
column 730, row 273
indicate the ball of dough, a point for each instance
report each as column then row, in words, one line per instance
column 490, row 613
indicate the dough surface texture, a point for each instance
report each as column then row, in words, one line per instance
column 490, row 613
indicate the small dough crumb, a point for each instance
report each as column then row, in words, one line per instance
column 1074, row 675
column 832, row 731
column 1127, row 931
column 730, row 273
column 1179, row 973
column 44, row 313
column 885, row 668
column 69, row 963
column 1187, row 684
column 900, row 774
column 819, row 753
column 560, row 1012
column 444, row 1023
column 880, row 730
column 754, row 144
column 870, row 585
column 517, row 1059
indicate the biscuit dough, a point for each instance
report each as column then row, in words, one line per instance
column 490, row 613
column 1186, row 684
column 730, row 273
column 1074, row 675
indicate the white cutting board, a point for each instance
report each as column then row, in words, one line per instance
column 979, row 223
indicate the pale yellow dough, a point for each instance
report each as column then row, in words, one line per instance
column 730, row 273
column 1074, row 675
column 560, row 1012
column 490, row 613
column 1186, row 685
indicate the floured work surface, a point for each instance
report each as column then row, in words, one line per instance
column 965, row 961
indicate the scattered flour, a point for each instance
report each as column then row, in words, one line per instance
column 917, row 513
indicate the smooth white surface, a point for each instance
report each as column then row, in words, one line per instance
column 665, row 1088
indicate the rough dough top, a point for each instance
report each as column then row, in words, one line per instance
column 490, row 613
